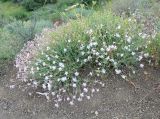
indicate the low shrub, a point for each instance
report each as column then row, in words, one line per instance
column 128, row 7
column 10, row 45
column 27, row 30
column 85, row 48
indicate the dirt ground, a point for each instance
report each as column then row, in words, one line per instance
column 118, row 100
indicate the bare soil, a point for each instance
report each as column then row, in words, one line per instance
column 118, row 100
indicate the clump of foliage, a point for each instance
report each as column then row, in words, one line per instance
column 98, row 44
column 34, row 4
column 14, row 34
column 9, row 45
column 154, row 49
column 26, row 30
column 9, row 9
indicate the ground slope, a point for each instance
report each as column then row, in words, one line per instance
column 118, row 100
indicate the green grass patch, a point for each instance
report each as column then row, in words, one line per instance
column 9, row 9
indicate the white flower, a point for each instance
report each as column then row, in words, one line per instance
column 69, row 41
column 99, row 64
column 90, row 73
column 61, row 65
column 121, row 55
column 56, row 105
column 126, row 47
column 44, row 64
column 123, row 76
column 49, row 86
column 95, row 43
column 65, row 50
column 82, row 52
column 118, row 27
column 103, row 71
column 46, row 77
column 35, row 83
column 140, row 58
column 141, row 65
column 130, row 19
column 144, row 36
column 117, row 35
column 93, row 90
column 13, row 86
column 146, row 55
column 89, row 57
column 115, row 63
column 85, row 90
column 53, row 62
column 44, row 86
column 71, row 103
column 82, row 94
column 68, row 99
column 53, row 67
column 77, row 60
column 58, row 79
column 96, row 113
column 79, row 99
column 74, row 79
column 133, row 53
column 103, row 84
column 59, row 99
column 90, row 31
column 118, row 71
column 81, row 47
column 74, row 85
column 133, row 72
column 60, row 68
column 48, row 58
column 63, row 79
column 97, row 90
column 37, row 68
column 53, row 93
column 129, row 39
column 102, row 49
column 76, row 73
column 88, row 97
column 48, row 48
column 84, row 84
column 66, row 73
column 97, row 53
column 74, row 97
column 56, row 56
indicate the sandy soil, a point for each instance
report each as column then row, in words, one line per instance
column 118, row 100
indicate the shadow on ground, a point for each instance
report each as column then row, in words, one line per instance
column 118, row 100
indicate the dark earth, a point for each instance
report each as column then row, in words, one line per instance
column 118, row 100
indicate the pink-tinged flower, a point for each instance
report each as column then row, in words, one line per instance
column 56, row 105
column 88, row 97
column 79, row 99
column 85, row 90
column 71, row 102
column 123, row 76
column 141, row 65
